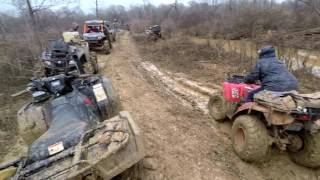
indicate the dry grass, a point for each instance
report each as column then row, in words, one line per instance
column 206, row 62
column 307, row 82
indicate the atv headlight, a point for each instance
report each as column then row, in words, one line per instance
column 72, row 62
column 48, row 63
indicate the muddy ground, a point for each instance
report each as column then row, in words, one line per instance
column 182, row 142
column 167, row 101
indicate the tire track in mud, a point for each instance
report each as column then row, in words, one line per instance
column 187, row 91
column 180, row 139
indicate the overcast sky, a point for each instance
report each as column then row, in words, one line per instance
column 88, row 5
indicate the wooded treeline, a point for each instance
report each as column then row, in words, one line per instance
column 25, row 35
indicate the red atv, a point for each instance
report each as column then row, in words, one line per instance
column 289, row 120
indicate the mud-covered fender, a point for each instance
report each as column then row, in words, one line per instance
column 273, row 117
column 8, row 173
column 82, row 50
column 31, row 122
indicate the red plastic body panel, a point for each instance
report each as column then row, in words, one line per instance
column 234, row 92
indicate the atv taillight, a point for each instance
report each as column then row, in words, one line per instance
column 87, row 101
column 304, row 117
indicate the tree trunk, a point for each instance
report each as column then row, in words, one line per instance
column 31, row 13
column 34, row 25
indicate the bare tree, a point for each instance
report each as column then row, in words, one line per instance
column 31, row 9
column 313, row 4
column 97, row 9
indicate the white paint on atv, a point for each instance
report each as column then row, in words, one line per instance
column 55, row 148
column 99, row 92
column 187, row 91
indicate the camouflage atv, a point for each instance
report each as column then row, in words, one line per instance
column 75, row 130
column 60, row 56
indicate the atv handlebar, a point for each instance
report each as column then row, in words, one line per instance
column 236, row 79
column 42, row 81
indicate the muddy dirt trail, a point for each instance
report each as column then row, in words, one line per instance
column 181, row 141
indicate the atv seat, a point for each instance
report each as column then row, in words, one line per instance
column 66, row 127
column 287, row 101
column 282, row 101
column 59, row 49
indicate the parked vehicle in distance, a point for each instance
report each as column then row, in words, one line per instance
column 95, row 32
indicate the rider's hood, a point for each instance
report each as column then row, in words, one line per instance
column 266, row 52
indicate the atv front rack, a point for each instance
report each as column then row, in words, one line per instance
column 105, row 151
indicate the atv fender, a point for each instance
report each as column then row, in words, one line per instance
column 31, row 122
column 8, row 172
column 272, row 116
column 114, row 163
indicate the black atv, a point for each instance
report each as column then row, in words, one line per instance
column 75, row 130
column 61, row 57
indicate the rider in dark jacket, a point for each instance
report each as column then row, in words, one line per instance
column 272, row 73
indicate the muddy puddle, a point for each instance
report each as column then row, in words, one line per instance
column 186, row 91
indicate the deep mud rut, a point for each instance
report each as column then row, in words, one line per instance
column 181, row 140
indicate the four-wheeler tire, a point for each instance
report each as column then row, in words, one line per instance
column 114, row 106
column 107, row 46
column 250, row 138
column 309, row 155
column 91, row 66
column 106, row 50
column 132, row 173
column 94, row 62
column 217, row 107
column 88, row 68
